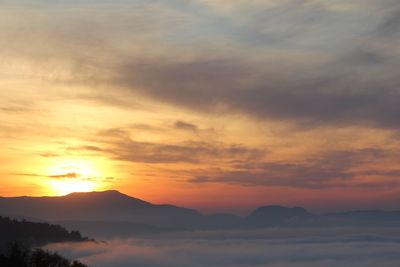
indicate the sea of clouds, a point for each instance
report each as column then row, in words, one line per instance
column 221, row 249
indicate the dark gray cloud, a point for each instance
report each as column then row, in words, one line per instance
column 359, row 86
column 390, row 26
column 302, row 61
column 345, row 97
column 191, row 152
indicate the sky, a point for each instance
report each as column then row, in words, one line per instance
column 218, row 105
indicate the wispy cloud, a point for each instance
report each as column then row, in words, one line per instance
column 330, row 170
column 122, row 147
column 322, row 89
column 67, row 176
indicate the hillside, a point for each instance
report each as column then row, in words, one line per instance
column 108, row 206
column 31, row 233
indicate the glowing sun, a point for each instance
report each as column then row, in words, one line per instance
column 66, row 187
column 70, row 176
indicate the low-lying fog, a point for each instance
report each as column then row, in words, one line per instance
column 271, row 247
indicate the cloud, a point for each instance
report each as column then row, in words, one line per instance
column 122, row 147
column 66, row 175
column 185, row 126
column 327, row 170
column 299, row 61
column 303, row 251
column 90, row 148
column 327, row 98
column 237, row 164
column 16, row 107
column 390, row 26
column 49, row 155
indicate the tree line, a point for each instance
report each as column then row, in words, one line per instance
column 17, row 255
column 20, row 241
column 32, row 233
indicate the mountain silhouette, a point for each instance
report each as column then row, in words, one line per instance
column 113, row 213
column 99, row 206
column 277, row 215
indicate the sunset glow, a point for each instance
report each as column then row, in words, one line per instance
column 200, row 133
column 217, row 105
column 66, row 187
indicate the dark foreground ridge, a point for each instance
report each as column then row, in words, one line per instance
column 17, row 255
column 20, row 239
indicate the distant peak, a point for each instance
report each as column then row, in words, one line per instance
column 101, row 194
column 108, row 195
column 110, row 192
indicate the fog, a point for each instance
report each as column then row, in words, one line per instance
column 297, row 248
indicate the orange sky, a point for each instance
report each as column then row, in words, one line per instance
column 208, row 105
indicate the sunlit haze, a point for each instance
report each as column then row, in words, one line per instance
column 221, row 106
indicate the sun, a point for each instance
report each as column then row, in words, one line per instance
column 73, row 175
column 66, row 187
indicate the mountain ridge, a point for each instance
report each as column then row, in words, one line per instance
column 99, row 206
column 107, row 208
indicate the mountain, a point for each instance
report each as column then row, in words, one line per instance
column 108, row 206
column 111, row 213
column 277, row 215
